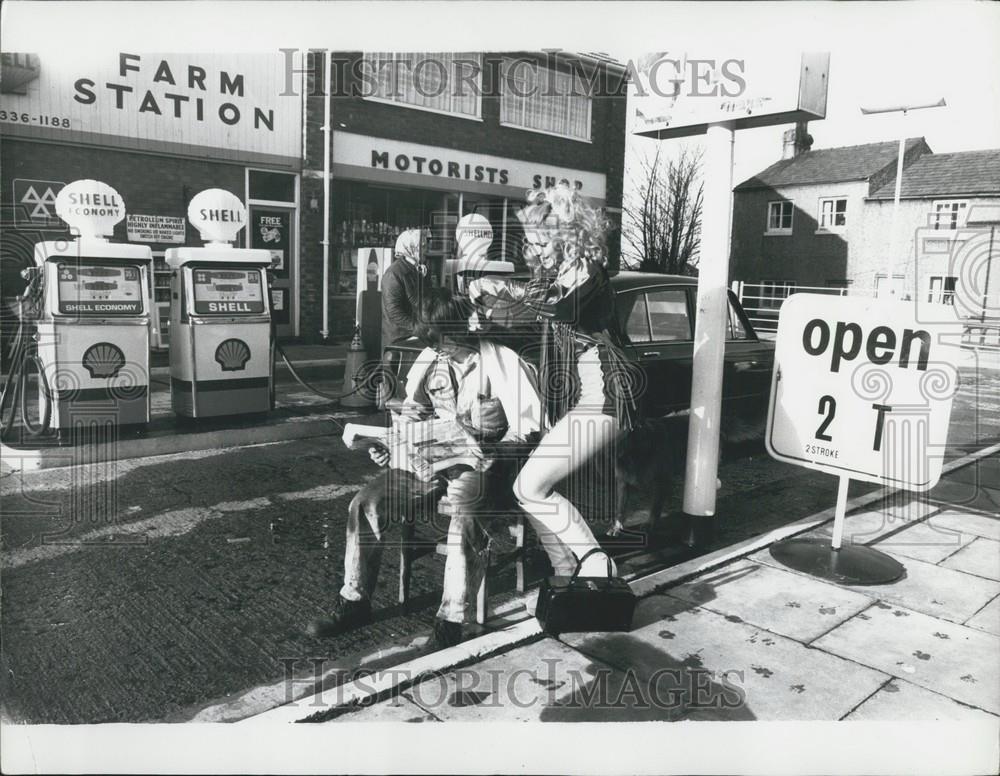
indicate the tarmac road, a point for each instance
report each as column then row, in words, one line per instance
column 146, row 590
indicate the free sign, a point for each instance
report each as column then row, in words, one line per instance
column 862, row 388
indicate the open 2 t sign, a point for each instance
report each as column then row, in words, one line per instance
column 862, row 388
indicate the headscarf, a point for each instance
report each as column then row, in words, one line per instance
column 408, row 246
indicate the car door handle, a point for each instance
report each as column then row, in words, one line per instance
column 651, row 354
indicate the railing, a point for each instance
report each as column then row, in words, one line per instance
column 762, row 302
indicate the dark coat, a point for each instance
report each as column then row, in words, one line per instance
column 403, row 289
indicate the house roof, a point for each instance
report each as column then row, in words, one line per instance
column 829, row 165
column 966, row 173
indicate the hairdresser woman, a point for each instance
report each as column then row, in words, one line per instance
column 566, row 242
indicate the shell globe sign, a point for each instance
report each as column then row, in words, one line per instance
column 217, row 214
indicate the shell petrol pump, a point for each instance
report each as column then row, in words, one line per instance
column 93, row 315
column 221, row 338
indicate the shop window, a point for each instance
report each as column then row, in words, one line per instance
column 443, row 82
column 779, row 217
column 941, row 289
column 832, row 214
column 544, row 100
column 949, row 213
column 272, row 186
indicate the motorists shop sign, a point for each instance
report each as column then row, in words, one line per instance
column 862, row 387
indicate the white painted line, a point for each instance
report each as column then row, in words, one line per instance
column 291, row 428
column 72, row 475
column 165, row 525
column 406, row 674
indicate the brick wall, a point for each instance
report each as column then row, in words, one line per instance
column 149, row 184
column 808, row 258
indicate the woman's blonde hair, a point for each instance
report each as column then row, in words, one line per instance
column 561, row 225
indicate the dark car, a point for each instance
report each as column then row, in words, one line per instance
column 655, row 327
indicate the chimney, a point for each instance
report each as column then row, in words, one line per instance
column 795, row 141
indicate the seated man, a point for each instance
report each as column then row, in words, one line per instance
column 487, row 389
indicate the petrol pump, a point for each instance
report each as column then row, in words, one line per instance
column 221, row 341
column 94, row 318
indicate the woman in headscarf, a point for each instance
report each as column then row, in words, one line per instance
column 404, row 286
column 595, row 386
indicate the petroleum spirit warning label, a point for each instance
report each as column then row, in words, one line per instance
column 93, row 289
column 863, row 388
column 228, row 291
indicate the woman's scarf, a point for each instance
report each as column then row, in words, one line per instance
column 408, row 246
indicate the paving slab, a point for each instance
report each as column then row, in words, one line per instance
column 773, row 598
column 397, row 709
column 925, row 541
column 900, row 701
column 981, row 557
column 967, row 522
column 869, row 525
column 543, row 681
column 987, row 619
column 777, row 677
column 927, row 588
column 962, row 663
column 970, row 496
column 985, row 471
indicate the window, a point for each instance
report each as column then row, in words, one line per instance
column 735, row 330
column 774, row 292
column 440, row 82
column 942, row 289
column 832, row 213
column 779, row 217
column 668, row 315
column 657, row 316
column 543, row 100
column 948, row 214
column 882, row 285
column 637, row 322
column 272, row 186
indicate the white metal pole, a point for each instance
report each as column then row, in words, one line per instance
column 839, row 513
column 327, row 74
column 893, row 237
column 710, row 325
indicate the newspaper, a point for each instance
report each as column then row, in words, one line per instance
column 425, row 448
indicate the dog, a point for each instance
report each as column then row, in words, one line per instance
column 654, row 454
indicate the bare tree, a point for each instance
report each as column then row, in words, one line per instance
column 662, row 216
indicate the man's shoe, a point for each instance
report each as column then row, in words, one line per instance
column 345, row 616
column 447, row 634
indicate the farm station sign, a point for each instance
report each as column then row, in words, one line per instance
column 154, row 102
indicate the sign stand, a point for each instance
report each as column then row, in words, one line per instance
column 855, row 564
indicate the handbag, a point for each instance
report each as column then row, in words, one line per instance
column 574, row 604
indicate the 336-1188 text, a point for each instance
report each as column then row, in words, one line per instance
column 25, row 118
